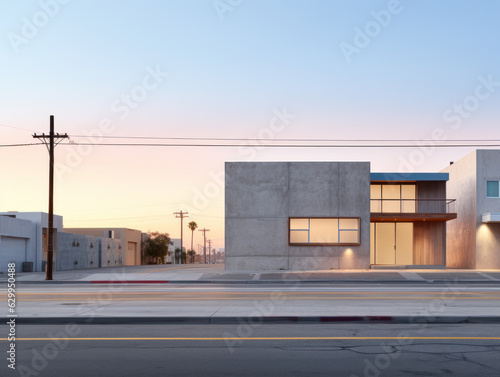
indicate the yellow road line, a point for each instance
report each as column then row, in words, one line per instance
column 281, row 338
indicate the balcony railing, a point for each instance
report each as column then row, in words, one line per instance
column 412, row 205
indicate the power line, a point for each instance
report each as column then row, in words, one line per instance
column 283, row 140
column 16, row 128
column 289, row 145
column 416, row 143
column 20, row 145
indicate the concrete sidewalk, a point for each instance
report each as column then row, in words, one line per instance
column 215, row 274
column 84, row 307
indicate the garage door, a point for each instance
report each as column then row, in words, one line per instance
column 12, row 250
column 130, row 256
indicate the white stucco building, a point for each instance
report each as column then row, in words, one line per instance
column 23, row 238
column 24, row 241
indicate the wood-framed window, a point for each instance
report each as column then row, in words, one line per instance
column 324, row 231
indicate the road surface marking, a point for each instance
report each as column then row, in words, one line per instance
column 281, row 338
column 260, row 293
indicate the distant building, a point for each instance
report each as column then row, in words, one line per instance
column 24, row 241
column 23, row 238
column 130, row 241
column 175, row 243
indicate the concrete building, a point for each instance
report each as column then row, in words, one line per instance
column 474, row 238
column 17, row 242
column 333, row 215
column 130, row 241
column 175, row 243
column 76, row 251
column 23, row 238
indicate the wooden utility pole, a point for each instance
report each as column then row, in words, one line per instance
column 50, row 143
column 209, row 251
column 181, row 215
column 204, row 244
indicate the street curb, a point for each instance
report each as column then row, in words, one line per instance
column 257, row 282
column 255, row 321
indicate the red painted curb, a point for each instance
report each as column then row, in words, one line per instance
column 128, row 281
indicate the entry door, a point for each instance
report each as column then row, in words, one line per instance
column 385, row 245
column 393, row 243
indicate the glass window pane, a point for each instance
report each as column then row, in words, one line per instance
column 298, row 236
column 408, row 192
column 391, row 206
column 324, row 230
column 375, row 191
column 349, row 224
column 492, row 189
column 391, row 191
column 299, row 223
column 375, row 205
column 408, row 206
column 349, row 236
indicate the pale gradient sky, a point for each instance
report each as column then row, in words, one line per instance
column 226, row 76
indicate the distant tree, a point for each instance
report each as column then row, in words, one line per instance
column 191, row 253
column 192, row 225
column 177, row 255
column 156, row 246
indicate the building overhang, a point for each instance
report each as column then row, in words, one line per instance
column 491, row 217
column 409, row 177
column 412, row 217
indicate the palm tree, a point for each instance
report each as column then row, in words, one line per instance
column 192, row 225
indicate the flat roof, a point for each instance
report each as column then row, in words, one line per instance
column 401, row 177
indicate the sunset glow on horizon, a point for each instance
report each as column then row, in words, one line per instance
column 330, row 70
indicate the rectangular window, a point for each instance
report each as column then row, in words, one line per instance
column 492, row 189
column 324, row 231
column 393, row 198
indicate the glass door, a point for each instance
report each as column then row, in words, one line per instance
column 392, row 243
column 385, row 246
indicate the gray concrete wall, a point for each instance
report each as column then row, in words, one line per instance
column 487, row 235
column 460, row 233
column 76, row 251
column 261, row 196
column 71, row 251
column 125, row 235
column 112, row 252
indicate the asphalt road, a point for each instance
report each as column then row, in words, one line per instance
column 250, row 300
column 255, row 350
